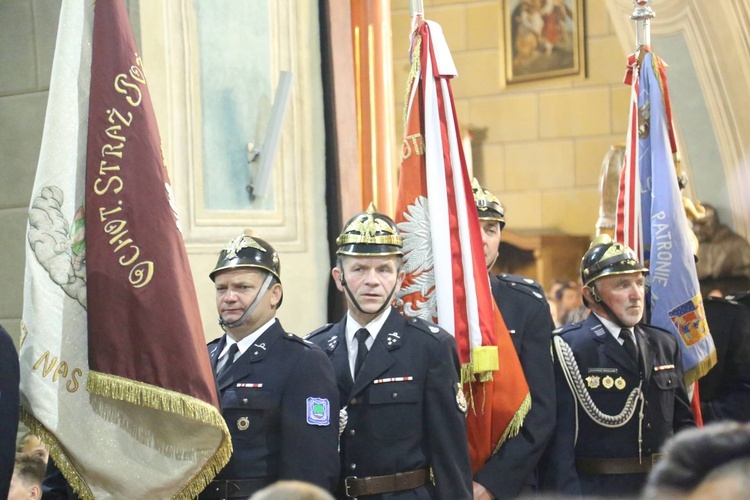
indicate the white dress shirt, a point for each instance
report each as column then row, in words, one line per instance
column 352, row 326
column 243, row 345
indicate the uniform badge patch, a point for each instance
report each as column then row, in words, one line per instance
column 608, row 382
column 318, row 411
column 461, row 399
column 592, row 381
column 620, row 383
column 243, row 423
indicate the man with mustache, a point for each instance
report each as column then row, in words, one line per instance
column 620, row 385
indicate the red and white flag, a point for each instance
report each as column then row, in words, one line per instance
column 115, row 375
column 447, row 280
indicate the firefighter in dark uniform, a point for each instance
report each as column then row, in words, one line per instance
column 278, row 392
column 620, row 386
column 403, row 422
column 9, row 380
column 725, row 390
column 511, row 471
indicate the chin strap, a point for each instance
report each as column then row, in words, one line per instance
column 263, row 289
column 612, row 316
column 608, row 310
column 489, row 268
column 382, row 308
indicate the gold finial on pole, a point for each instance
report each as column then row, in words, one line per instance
column 642, row 16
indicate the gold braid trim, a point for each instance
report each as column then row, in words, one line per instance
column 209, row 470
column 58, row 454
column 515, row 424
column 414, row 70
column 467, row 373
column 157, row 398
column 700, row 369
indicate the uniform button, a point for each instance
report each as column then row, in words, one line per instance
column 353, row 401
column 394, row 395
column 244, row 401
column 669, row 381
column 648, row 427
column 352, row 432
column 353, row 466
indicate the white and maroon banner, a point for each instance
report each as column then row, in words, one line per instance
column 115, row 375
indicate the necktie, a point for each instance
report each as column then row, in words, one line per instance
column 629, row 344
column 362, row 335
column 233, row 349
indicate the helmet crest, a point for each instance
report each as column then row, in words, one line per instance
column 488, row 206
column 370, row 233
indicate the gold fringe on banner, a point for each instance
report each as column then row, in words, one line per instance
column 157, row 398
column 58, row 455
column 413, row 71
column 700, row 369
column 514, row 427
column 484, row 360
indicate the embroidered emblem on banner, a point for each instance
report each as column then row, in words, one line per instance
column 318, row 411
column 690, row 320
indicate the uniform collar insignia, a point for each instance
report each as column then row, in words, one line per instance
column 392, row 340
column 332, row 343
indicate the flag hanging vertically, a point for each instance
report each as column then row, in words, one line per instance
column 651, row 217
column 446, row 276
column 115, row 374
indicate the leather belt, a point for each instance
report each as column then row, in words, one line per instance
column 233, row 488
column 617, row 465
column 374, row 485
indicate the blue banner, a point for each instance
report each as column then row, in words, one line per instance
column 675, row 301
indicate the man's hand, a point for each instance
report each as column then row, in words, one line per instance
column 481, row 493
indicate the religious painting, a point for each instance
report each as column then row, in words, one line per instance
column 543, row 39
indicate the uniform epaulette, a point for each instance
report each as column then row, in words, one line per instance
column 296, row 338
column 740, row 297
column 566, row 328
column 525, row 285
column 424, row 326
column 729, row 299
column 320, row 330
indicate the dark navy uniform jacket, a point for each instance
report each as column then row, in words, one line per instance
column 403, row 410
column 9, row 380
column 725, row 390
column 667, row 408
column 522, row 303
column 270, row 399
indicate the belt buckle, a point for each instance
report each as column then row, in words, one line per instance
column 347, row 486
